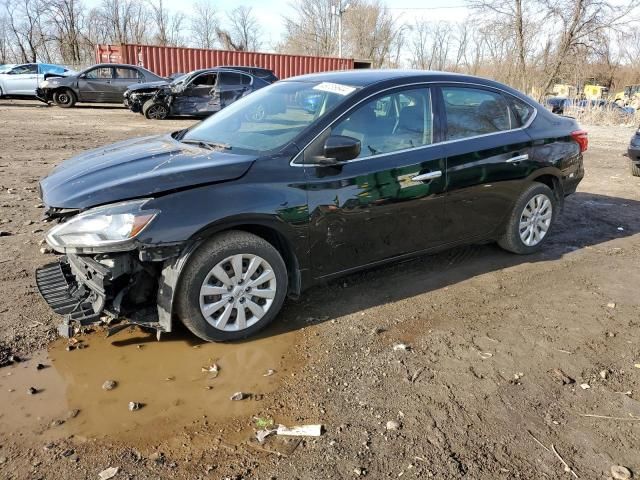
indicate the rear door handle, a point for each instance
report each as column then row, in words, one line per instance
column 425, row 177
column 518, row 158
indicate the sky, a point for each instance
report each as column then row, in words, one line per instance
column 270, row 12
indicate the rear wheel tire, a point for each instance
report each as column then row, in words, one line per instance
column 635, row 169
column 531, row 220
column 64, row 98
column 154, row 110
column 233, row 286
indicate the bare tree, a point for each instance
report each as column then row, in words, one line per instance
column 517, row 20
column 243, row 32
column 122, row 21
column 168, row 24
column 370, row 31
column 312, row 29
column 66, row 21
column 204, row 24
column 431, row 44
column 580, row 23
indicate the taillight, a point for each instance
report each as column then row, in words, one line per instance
column 582, row 137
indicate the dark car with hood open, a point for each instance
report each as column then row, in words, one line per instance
column 199, row 93
column 217, row 224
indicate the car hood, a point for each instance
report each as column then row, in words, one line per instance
column 137, row 168
column 148, row 85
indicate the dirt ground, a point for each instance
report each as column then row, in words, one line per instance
column 474, row 394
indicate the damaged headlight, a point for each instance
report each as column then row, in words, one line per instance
column 102, row 229
column 49, row 83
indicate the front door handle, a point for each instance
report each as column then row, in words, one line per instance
column 425, row 177
column 518, row 158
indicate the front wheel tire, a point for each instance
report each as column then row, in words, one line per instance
column 155, row 111
column 635, row 169
column 233, row 286
column 531, row 220
column 64, row 98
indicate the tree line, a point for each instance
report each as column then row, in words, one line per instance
column 530, row 44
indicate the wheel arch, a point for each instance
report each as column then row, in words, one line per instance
column 551, row 178
column 172, row 270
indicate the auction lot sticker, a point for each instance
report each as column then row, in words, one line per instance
column 343, row 90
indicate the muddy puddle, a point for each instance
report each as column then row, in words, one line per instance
column 166, row 378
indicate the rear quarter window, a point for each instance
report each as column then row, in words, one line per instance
column 523, row 111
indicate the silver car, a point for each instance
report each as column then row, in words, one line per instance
column 23, row 79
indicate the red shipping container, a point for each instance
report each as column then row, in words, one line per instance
column 165, row 61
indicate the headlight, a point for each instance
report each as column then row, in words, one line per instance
column 49, row 83
column 103, row 229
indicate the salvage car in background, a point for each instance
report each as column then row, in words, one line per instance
column 633, row 152
column 199, row 93
column 22, row 80
column 103, row 83
column 216, row 224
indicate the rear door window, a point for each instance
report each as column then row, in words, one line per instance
column 471, row 112
column 100, row 73
column 231, row 79
column 127, row 73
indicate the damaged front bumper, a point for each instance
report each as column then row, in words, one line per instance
column 44, row 95
column 87, row 291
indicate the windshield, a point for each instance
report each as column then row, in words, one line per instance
column 6, row 68
column 179, row 80
column 269, row 118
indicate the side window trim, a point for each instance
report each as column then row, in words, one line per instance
column 507, row 97
column 437, row 112
column 428, row 86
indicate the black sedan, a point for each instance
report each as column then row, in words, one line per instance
column 103, row 83
column 200, row 93
column 217, row 224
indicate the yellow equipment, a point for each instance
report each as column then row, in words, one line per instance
column 564, row 90
column 595, row 92
column 630, row 94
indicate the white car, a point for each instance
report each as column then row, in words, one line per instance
column 23, row 79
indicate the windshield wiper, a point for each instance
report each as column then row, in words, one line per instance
column 209, row 145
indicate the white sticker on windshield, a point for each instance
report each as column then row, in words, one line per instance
column 335, row 88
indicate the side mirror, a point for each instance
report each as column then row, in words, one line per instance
column 339, row 148
column 82, row 75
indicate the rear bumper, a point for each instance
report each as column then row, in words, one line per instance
column 85, row 291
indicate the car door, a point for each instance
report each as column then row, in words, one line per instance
column 22, row 80
column 197, row 96
column 124, row 78
column 231, row 86
column 488, row 155
column 387, row 202
column 95, row 85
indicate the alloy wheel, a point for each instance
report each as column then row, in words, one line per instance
column 64, row 98
column 157, row 112
column 237, row 292
column 535, row 220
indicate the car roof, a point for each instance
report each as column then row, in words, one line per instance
column 216, row 69
column 366, row 77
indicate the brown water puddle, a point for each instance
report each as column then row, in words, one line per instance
column 166, row 377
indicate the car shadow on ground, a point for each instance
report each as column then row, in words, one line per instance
column 587, row 220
